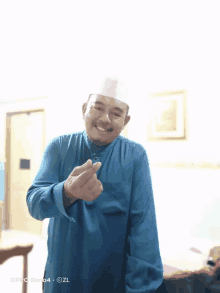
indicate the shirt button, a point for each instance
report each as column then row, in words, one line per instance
column 95, row 158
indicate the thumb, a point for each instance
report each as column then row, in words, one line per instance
column 80, row 169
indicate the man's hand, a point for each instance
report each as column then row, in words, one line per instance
column 82, row 182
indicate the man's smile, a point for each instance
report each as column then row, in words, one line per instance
column 103, row 129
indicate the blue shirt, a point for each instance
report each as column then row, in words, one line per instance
column 108, row 245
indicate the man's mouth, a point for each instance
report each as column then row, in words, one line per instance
column 103, row 129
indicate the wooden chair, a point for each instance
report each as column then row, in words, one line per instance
column 7, row 253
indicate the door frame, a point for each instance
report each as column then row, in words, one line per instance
column 7, row 157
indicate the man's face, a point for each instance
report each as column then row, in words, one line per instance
column 104, row 118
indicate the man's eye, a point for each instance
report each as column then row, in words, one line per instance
column 98, row 108
column 116, row 114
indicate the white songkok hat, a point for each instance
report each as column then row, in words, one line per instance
column 111, row 87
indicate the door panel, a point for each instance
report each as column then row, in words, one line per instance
column 26, row 148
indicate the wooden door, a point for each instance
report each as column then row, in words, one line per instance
column 25, row 151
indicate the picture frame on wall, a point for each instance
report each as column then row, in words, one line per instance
column 167, row 116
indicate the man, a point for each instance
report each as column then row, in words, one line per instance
column 95, row 186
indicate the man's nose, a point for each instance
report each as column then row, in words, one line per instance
column 105, row 118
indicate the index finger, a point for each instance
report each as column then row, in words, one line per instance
column 80, row 169
column 86, row 175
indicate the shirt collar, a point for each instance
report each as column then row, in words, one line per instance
column 96, row 148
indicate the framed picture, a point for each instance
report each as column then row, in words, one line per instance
column 167, row 117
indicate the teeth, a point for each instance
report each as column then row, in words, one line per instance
column 101, row 129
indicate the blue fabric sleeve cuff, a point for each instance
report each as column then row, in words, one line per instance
column 58, row 197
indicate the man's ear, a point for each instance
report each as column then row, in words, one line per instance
column 84, row 107
column 127, row 119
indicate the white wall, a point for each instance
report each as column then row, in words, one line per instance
column 57, row 49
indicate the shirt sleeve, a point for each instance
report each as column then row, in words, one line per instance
column 144, row 269
column 45, row 196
